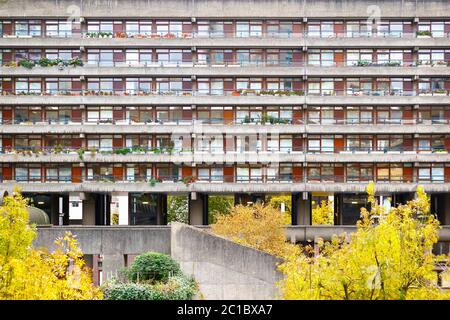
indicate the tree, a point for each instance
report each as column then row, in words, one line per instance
column 323, row 214
column 276, row 201
column 257, row 226
column 218, row 205
column 388, row 257
column 29, row 273
column 178, row 209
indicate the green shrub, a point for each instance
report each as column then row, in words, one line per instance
column 176, row 288
column 153, row 266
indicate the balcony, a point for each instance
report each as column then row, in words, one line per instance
column 225, row 97
column 215, row 185
column 274, row 68
column 224, row 40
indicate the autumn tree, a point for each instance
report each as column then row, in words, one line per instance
column 218, row 205
column 388, row 257
column 323, row 214
column 277, row 200
column 257, row 226
column 29, row 273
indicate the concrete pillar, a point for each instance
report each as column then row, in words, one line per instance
column 161, row 209
column 301, row 208
column 88, row 207
column 75, row 208
column 198, row 208
column 119, row 205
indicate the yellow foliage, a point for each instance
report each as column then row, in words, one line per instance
column 386, row 258
column 257, row 226
column 275, row 201
column 28, row 273
column 323, row 214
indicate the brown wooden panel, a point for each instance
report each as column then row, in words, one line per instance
column 77, row 143
column 339, row 58
column 77, row 174
column 297, row 174
column 118, row 173
column 118, row 115
column 228, row 116
column 408, row 144
column 117, row 142
column 186, row 114
column 297, row 143
column 7, row 116
column 297, row 116
column 407, row 174
column 228, row 173
column 446, row 173
column 186, row 172
column 339, row 144
column 447, row 143
column 339, row 174
column 76, row 115
column 7, row 29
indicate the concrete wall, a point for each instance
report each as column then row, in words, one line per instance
column 224, row 269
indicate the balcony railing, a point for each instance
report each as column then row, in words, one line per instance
column 233, row 34
column 222, row 92
column 222, row 121
column 136, row 150
column 278, row 178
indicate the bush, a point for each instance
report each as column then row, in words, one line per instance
column 153, row 266
column 176, row 288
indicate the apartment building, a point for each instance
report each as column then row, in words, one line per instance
column 111, row 106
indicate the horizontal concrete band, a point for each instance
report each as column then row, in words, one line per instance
column 169, row 99
column 138, row 239
column 250, row 157
column 225, row 71
column 243, row 129
column 313, row 42
column 294, row 9
column 219, row 187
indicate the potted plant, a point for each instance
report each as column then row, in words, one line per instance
column 424, row 34
column 236, row 93
column 26, row 63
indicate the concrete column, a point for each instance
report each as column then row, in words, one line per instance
column 198, row 208
column 111, row 265
column 301, row 208
column 119, row 205
column 161, row 209
column 88, row 209
column 75, row 208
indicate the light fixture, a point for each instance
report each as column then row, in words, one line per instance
column 40, row 202
column 144, row 202
column 354, row 202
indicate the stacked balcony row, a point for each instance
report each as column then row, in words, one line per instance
column 388, row 86
column 223, row 143
column 283, row 172
column 227, row 57
column 156, row 28
column 219, row 115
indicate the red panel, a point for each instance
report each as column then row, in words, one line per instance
column 407, row 58
column 76, row 86
column 297, row 174
column 297, row 143
column 339, row 174
column 7, row 173
column 228, row 116
column 117, row 143
column 187, row 85
column 407, row 174
column 339, row 29
column 117, row 27
column 228, row 28
column 77, row 173
column 187, row 57
column 446, row 174
column 77, row 143
column 119, row 56
column 187, row 28
column 186, row 172
column 7, row 143
column 297, row 85
column 76, row 115
column 297, row 116
column 118, row 85
column 7, row 86
column 339, row 58
column 186, row 114
column 228, row 85
column 118, row 115
column 408, row 144
column 7, row 29
column 7, row 116
column 7, row 57
column 118, row 173
column 338, row 144
column 447, row 143
column 228, row 173
column 407, row 86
